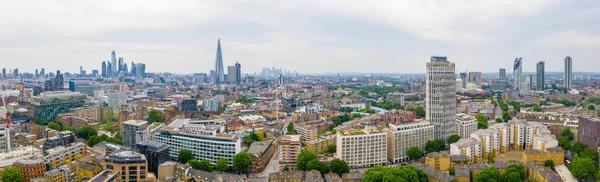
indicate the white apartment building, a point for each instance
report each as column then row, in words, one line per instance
column 489, row 139
column 440, row 96
column 361, row 150
column 205, row 138
column 465, row 125
column 517, row 134
column 467, row 147
column 531, row 130
column 544, row 141
column 133, row 131
column 115, row 100
column 402, row 136
column 503, row 130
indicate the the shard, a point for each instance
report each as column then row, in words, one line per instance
column 219, row 76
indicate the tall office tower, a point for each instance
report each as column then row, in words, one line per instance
column 540, row 75
column 502, row 74
column 81, row 71
column 568, row 72
column 36, row 73
column 4, row 73
column 59, row 84
column 463, row 76
column 113, row 62
column 440, row 96
column 238, row 71
column 231, row 74
column 281, row 79
column 475, row 78
column 104, row 69
column 140, row 70
column 517, row 70
column 43, row 72
column 125, row 70
column 16, row 72
column 109, row 71
column 133, row 67
column 529, row 81
column 219, row 72
column 120, row 60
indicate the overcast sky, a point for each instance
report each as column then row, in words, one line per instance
column 309, row 36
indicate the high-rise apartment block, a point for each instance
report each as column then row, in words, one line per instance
column 403, row 135
column 361, row 148
column 440, row 96
column 540, row 70
column 155, row 152
column 465, row 125
column 568, row 78
column 289, row 148
column 517, row 70
column 132, row 132
column 502, row 74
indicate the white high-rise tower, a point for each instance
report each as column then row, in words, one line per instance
column 440, row 98
column 517, row 70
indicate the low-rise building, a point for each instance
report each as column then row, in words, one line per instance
column 540, row 173
column 56, row 157
column 438, row 160
column 469, row 147
column 261, row 153
column 313, row 176
column 131, row 165
column 321, row 144
column 355, row 175
column 56, row 175
column 540, row 156
column 286, row 176
column 30, row 168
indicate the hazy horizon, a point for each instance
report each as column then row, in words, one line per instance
column 309, row 37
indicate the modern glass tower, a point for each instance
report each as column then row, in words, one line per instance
column 219, row 70
column 517, row 70
column 440, row 96
column 540, row 68
column 113, row 60
column 568, row 72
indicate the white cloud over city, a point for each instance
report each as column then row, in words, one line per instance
column 307, row 36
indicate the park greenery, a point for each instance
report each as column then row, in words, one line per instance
column 388, row 105
column 185, row 156
column 85, row 132
column 94, row 139
column 155, row 116
column 222, row 165
column 241, row 162
column 12, row 174
column 402, row 173
column 482, row 121
column 415, row 153
column 453, row 138
column 565, row 102
column 245, row 100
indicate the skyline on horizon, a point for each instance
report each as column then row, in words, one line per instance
column 308, row 37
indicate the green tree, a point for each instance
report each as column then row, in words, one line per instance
column 514, row 172
column 490, row 158
column 290, row 127
column 285, row 168
column 85, row 132
column 564, row 142
column 66, row 128
column 331, row 148
column 489, row 174
column 506, row 116
column 567, row 132
column 402, row 173
column 315, row 164
column 339, row 166
column 591, row 107
column 420, row 112
column 38, row 121
column 194, row 163
column 589, row 153
column 54, row 126
column 415, row 153
column 583, row 168
column 155, row 116
column 577, row 147
column 303, row 158
column 222, row 165
column 537, row 109
column 549, row 163
column 110, row 128
column 241, row 162
column 499, row 120
column 185, row 156
column 204, row 165
column 12, row 174
column 260, row 136
column 435, row 145
column 453, row 138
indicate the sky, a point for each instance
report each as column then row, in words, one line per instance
column 308, row 36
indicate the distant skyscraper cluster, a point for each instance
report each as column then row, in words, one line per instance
column 217, row 76
column 118, row 67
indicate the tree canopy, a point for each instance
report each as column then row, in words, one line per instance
column 185, row 156
column 453, row 138
column 564, row 142
column 415, row 153
column 12, row 174
column 339, row 166
column 435, row 145
column 155, row 116
column 577, row 147
column 514, row 172
column 222, row 165
column 315, row 164
column 85, row 132
column 402, row 173
column 583, row 168
column 567, row 132
column 489, row 174
column 241, row 162
column 303, row 158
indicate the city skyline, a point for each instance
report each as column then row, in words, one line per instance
column 365, row 35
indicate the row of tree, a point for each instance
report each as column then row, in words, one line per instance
column 241, row 162
column 307, row 161
column 514, row 172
